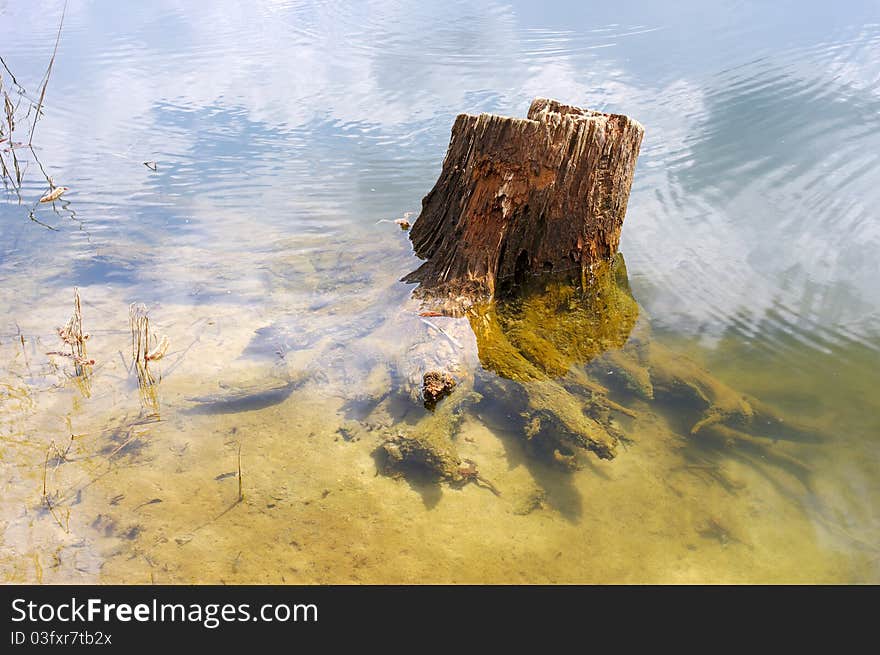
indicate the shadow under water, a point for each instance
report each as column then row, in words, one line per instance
column 233, row 401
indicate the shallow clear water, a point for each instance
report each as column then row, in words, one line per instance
column 283, row 133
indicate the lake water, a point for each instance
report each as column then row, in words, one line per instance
column 286, row 138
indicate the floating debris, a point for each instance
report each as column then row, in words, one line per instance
column 403, row 223
column 53, row 194
column 159, row 351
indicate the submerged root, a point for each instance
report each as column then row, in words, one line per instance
column 744, row 426
column 774, row 453
column 581, row 383
column 629, row 369
column 677, row 376
column 553, row 351
column 427, row 447
column 767, row 419
column 574, row 427
column 730, row 418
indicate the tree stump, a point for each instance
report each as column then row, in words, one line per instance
column 525, row 196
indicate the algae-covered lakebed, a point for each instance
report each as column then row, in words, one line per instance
column 704, row 410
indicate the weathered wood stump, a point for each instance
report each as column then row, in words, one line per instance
column 525, row 196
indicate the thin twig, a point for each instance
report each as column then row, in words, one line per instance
column 46, row 494
column 23, row 348
column 14, row 81
column 443, row 332
column 240, row 491
column 36, row 220
column 9, row 110
column 55, row 516
column 46, row 466
column 133, row 435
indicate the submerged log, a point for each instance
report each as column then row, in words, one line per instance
column 525, row 196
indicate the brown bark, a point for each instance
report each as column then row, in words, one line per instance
column 525, row 196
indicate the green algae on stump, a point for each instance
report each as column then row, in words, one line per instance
column 539, row 340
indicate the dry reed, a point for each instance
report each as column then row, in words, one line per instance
column 17, row 106
column 146, row 347
column 46, row 77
